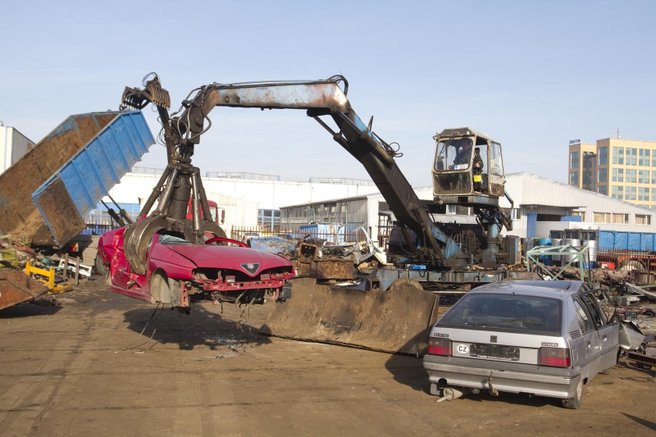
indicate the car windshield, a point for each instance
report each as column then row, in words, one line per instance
column 504, row 312
column 172, row 239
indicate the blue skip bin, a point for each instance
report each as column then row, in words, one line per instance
column 75, row 189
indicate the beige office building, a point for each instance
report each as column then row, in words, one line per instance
column 620, row 168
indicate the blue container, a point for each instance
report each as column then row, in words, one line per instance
column 75, row 189
column 545, row 259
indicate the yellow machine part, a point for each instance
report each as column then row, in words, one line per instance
column 46, row 277
column 396, row 320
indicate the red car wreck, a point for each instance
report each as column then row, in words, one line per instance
column 221, row 269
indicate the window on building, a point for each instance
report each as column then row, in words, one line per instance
column 643, row 194
column 617, row 192
column 620, row 219
column 588, row 180
column 602, row 217
column 548, row 217
column 603, row 156
column 574, row 160
column 643, row 157
column 643, row 176
column 574, row 178
column 603, row 189
column 630, row 176
column 602, row 175
column 631, row 156
column 642, row 219
column 578, row 214
column 589, row 160
column 630, row 193
column 618, row 155
column 269, row 219
column 618, row 175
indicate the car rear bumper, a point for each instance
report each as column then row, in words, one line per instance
column 500, row 376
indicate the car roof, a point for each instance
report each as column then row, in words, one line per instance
column 557, row 289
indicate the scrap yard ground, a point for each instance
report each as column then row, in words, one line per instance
column 98, row 364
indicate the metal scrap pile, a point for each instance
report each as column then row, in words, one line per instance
column 27, row 275
column 317, row 258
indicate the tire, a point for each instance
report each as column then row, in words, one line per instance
column 632, row 264
column 575, row 402
column 100, row 266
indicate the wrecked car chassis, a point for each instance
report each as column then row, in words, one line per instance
column 228, row 288
column 224, row 288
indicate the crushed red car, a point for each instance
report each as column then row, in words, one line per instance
column 221, row 269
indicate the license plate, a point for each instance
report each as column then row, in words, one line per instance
column 494, row 351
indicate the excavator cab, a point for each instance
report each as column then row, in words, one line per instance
column 468, row 168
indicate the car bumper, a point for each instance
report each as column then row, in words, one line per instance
column 500, row 376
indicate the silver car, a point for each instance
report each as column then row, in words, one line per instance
column 544, row 338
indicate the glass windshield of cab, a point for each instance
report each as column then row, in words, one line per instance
column 503, row 312
column 453, row 154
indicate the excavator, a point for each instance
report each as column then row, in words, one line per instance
column 427, row 250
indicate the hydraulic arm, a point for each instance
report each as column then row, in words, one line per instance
column 183, row 130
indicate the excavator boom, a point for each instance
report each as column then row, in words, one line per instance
column 319, row 98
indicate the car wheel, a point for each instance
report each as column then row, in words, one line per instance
column 100, row 266
column 575, row 402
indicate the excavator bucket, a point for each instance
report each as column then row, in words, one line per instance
column 396, row 320
column 16, row 287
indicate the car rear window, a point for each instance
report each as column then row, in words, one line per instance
column 503, row 312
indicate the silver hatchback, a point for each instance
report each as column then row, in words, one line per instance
column 544, row 338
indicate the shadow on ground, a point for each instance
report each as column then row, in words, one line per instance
column 409, row 369
column 29, row 309
column 644, row 422
column 199, row 328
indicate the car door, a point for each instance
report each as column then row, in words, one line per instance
column 608, row 330
column 588, row 347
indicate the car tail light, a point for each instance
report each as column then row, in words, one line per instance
column 554, row 357
column 230, row 278
column 439, row 346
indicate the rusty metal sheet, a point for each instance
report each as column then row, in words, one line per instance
column 337, row 269
column 16, row 287
column 396, row 320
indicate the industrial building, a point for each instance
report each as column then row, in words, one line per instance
column 248, row 200
column 540, row 206
column 13, row 146
column 620, row 168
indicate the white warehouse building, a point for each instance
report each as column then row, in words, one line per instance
column 540, row 205
column 248, row 200
column 13, row 146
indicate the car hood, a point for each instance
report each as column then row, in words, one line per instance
column 245, row 259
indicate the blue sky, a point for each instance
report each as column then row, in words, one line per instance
column 533, row 75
